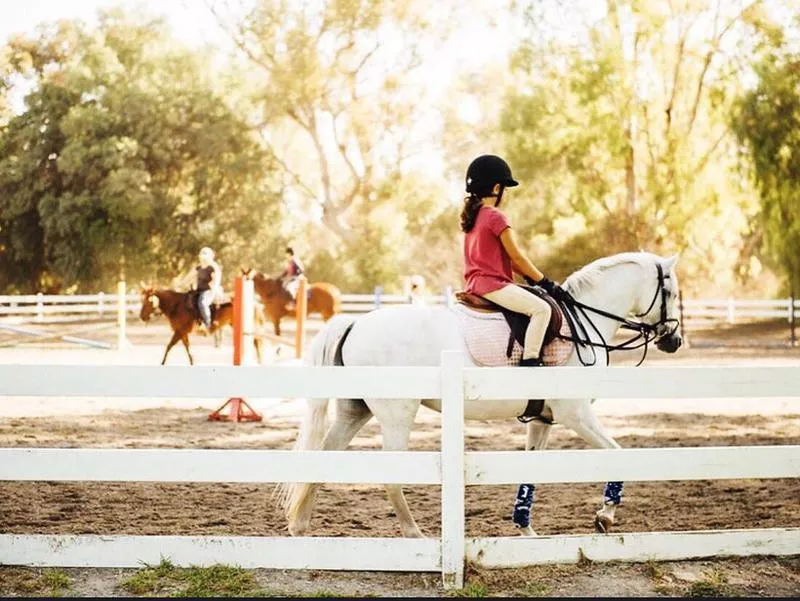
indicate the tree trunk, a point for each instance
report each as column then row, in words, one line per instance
column 631, row 205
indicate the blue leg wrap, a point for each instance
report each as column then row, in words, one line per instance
column 522, row 506
column 613, row 492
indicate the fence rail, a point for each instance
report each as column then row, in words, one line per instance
column 53, row 308
column 451, row 467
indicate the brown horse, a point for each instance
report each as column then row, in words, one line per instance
column 183, row 316
column 323, row 298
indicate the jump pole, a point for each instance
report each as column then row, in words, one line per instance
column 301, row 309
column 243, row 330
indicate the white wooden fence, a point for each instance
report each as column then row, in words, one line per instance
column 451, row 468
column 51, row 308
column 54, row 308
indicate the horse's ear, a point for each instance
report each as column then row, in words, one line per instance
column 671, row 261
column 142, row 285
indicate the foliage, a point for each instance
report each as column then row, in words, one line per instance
column 125, row 157
column 214, row 581
column 767, row 122
column 626, row 120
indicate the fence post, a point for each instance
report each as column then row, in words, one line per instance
column 378, row 292
column 39, row 307
column 247, row 309
column 448, row 296
column 793, row 338
column 100, row 297
column 301, row 309
column 452, row 457
column 122, row 315
column 731, row 310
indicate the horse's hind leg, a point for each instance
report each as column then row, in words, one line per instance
column 538, row 435
column 580, row 416
column 257, row 344
column 185, row 340
column 396, row 419
column 351, row 415
column 173, row 341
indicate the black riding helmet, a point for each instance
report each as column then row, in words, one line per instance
column 486, row 171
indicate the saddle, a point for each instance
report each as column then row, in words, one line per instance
column 517, row 322
column 193, row 306
column 487, row 326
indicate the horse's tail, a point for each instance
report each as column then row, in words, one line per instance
column 325, row 347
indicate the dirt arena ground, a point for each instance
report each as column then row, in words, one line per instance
column 234, row 509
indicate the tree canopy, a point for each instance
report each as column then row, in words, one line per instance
column 125, row 157
column 668, row 126
column 767, row 122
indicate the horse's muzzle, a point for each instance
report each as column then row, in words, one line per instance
column 669, row 343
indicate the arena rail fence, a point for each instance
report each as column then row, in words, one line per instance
column 53, row 308
column 19, row 311
column 452, row 468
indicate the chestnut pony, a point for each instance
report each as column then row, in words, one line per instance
column 183, row 316
column 323, row 298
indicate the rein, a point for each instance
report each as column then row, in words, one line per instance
column 645, row 332
column 158, row 309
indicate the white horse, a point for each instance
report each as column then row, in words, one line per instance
column 629, row 284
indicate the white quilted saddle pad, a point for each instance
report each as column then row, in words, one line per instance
column 486, row 335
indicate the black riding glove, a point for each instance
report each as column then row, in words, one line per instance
column 549, row 286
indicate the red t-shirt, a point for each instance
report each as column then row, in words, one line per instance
column 487, row 266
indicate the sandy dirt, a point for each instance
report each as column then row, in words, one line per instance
column 242, row 509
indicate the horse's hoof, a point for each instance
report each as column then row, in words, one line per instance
column 297, row 530
column 603, row 524
column 527, row 531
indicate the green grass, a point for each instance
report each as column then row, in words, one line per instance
column 714, row 584
column 537, row 589
column 35, row 582
column 56, row 582
column 654, row 570
column 214, row 581
column 471, row 589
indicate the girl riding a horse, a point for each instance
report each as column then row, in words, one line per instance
column 492, row 255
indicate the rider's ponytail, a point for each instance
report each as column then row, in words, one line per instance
column 469, row 213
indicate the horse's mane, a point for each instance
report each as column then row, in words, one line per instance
column 588, row 275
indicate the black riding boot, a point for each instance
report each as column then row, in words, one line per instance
column 531, row 362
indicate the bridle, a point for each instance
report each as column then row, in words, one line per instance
column 645, row 332
column 155, row 305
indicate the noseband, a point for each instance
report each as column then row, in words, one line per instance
column 645, row 332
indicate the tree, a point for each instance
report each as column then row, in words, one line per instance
column 125, row 153
column 623, row 116
column 767, row 122
column 333, row 87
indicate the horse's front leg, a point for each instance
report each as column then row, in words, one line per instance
column 580, row 416
column 185, row 340
column 538, row 435
column 276, row 324
column 173, row 341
